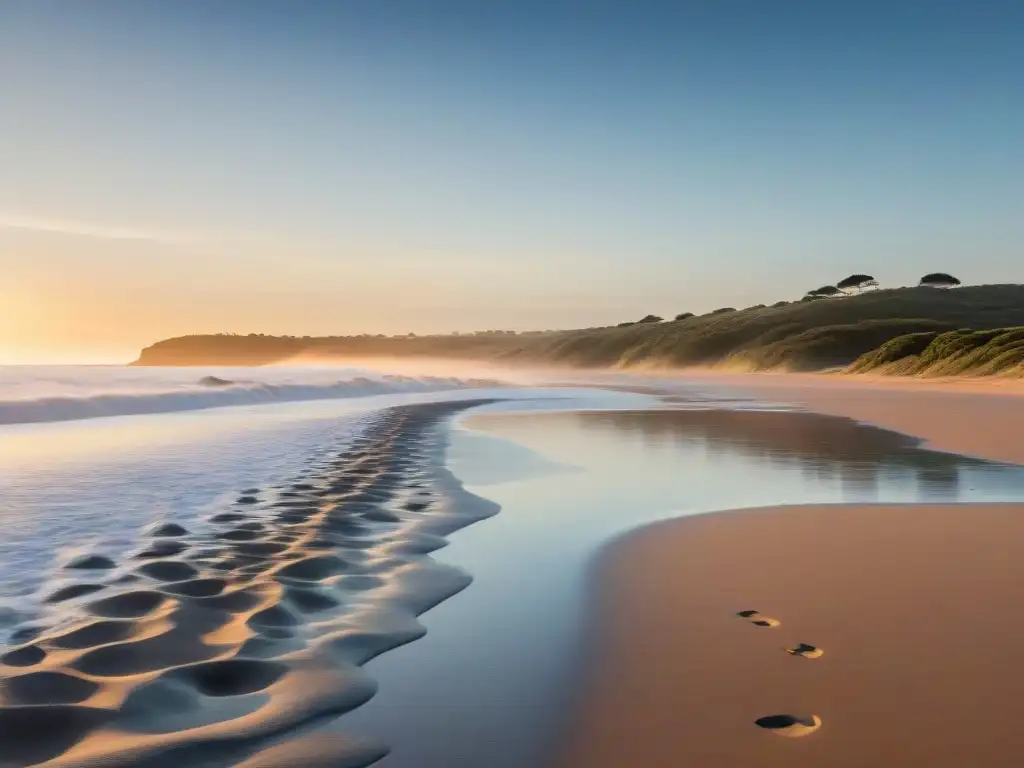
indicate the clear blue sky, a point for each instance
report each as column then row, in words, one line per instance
column 385, row 166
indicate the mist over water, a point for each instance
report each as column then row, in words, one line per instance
column 37, row 393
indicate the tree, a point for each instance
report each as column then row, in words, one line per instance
column 625, row 325
column 684, row 315
column 651, row 319
column 722, row 310
column 778, row 304
column 825, row 291
column 939, row 280
column 856, row 283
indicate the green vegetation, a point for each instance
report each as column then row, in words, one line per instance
column 826, row 291
column 856, row 283
column 831, row 346
column 875, row 328
column 991, row 352
column 939, row 280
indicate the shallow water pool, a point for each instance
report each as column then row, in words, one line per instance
column 493, row 680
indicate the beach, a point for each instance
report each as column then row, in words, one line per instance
column 232, row 643
column 516, row 675
column 911, row 605
column 206, row 587
column 511, row 385
column 593, row 614
column 970, row 416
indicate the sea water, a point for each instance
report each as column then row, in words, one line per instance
column 572, row 469
column 493, row 681
column 89, row 455
column 34, row 394
column 92, row 455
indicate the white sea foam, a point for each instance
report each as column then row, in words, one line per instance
column 72, row 484
column 33, row 394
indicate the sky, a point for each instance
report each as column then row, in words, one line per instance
column 352, row 166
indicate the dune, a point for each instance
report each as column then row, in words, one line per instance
column 235, row 643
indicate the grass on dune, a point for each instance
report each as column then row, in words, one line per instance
column 991, row 352
column 892, row 325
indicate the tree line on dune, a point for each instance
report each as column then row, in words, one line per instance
column 848, row 286
column 859, row 283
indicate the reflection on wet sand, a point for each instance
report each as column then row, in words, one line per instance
column 824, row 447
column 496, row 675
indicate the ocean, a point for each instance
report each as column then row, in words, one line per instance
column 34, row 394
column 146, row 512
column 91, row 455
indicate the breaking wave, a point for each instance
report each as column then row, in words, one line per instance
column 211, row 392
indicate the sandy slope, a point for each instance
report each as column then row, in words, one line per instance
column 916, row 608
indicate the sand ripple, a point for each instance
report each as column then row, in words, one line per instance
column 238, row 644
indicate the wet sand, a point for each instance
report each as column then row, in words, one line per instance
column 230, row 647
column 233, row 644
column 505, row 652
column 973, row 417
column 914, row 606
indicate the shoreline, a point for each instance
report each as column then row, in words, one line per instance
column 911, row 603
column 961, row 417
column 235, row 642
column 399, row 463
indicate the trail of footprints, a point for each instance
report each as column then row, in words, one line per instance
column 792, row 726
column 222, row 642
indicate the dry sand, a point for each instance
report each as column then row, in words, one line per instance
column 916, row 608
column 229, row 646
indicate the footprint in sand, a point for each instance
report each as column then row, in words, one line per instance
column 756, row 618
column 791, row 726
column 805, row 650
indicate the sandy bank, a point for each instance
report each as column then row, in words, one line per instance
column 914, row 606
column 975, row 417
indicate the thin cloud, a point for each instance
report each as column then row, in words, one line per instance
column 180, row 238
column 85, row 229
